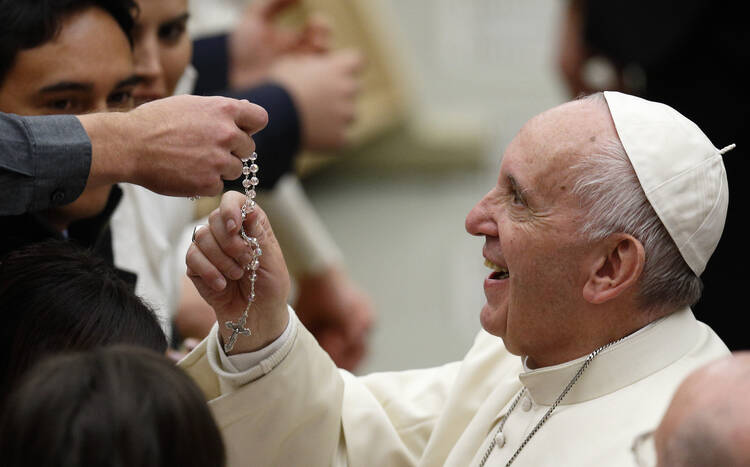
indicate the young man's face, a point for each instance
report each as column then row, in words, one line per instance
column 87, row 67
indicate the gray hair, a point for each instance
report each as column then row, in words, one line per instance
column 609, row 190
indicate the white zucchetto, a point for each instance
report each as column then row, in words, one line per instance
column 680, row 170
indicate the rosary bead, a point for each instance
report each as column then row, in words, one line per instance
column 247, row 207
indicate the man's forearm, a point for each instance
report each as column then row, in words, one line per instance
column 110, row 162
column 44, row 162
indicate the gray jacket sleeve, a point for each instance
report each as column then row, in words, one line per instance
column 44, row 162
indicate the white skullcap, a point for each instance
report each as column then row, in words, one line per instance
column 680, row 170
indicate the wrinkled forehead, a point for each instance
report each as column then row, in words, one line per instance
column 550, row 144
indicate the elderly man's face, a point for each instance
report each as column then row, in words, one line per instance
column 530, row 221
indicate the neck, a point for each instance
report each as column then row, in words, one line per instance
column 586, row 341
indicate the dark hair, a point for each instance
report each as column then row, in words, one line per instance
column 55, row 296
column 30, row 23
column 120, row 406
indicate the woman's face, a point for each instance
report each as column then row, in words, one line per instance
column 162, row 47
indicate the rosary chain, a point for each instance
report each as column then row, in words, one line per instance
column 547, row 415
column 249, row 184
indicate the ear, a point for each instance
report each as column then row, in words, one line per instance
column 617, row 269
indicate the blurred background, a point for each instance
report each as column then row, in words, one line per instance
column 446, row 87
column 472, row 72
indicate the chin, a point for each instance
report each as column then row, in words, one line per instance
column 493, row 320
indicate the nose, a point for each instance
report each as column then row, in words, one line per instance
column 146, row 55
column 100, row 105
column 479, row 222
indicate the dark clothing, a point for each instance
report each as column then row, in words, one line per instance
column 692, row 53
column 44, row 162
column 92, row 233
column 279, row 142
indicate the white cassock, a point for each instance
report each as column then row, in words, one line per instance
column 296, row 408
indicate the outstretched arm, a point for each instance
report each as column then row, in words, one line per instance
column 178, row 146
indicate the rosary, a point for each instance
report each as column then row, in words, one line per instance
column 249, row 183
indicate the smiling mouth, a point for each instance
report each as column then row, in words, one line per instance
column 499, row 272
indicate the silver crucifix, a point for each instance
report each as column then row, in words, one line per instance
column 237, row 329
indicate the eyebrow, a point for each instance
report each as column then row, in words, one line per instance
column 67, row 86
column 522, row 192
column 62, row 86
column 131, row 80
column 180, row 18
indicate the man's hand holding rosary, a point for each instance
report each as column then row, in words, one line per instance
column 251, row 310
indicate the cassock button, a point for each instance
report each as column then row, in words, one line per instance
column 526, row 404
column 500, row 440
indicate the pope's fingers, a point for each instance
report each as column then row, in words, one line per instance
column 207, row 242
column 230, row 208
column 225, row 224
column 229, row 240
column 200, row 268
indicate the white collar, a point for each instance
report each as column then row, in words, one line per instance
column 635, row 357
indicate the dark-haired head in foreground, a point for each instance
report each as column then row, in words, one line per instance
column 120, row 406
column 56, row 297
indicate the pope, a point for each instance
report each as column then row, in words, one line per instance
column 605, row 213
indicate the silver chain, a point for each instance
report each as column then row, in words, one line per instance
column 500, row 428
column 546, row 416
column 249, row 183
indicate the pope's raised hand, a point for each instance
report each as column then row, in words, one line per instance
column 215, row 264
